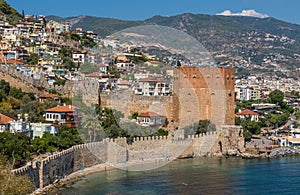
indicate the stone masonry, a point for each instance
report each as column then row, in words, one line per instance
column 228, row 139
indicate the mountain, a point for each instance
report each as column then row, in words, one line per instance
column 101, row 26
column 107, row 26
column 10, row 13
column 248, row 43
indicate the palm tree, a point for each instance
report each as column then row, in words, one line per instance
column 93, row 125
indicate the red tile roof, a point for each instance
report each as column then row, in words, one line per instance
column 12, row 61
column 4, row 120
column 67, row 108
column 246, row 112
column 124, row 83
column 149, row 114
column 102, row 65
column 49, row 95
column 94, row 74
column 150, row 79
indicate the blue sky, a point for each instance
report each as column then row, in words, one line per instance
column 287, row 10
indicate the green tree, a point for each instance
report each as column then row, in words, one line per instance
column 69, row 137
column 91, row 122
column 33, row 59
column 162, row 132
column 2, row 96
column 16, row 93
column 276, row 97
column 67, row 101
column 12, row 184
column 69, row 64
column 251, row 126
column 205, row 126
column 4, row 86
column 15, row 147
column 247, row 135
column 64, row 52
column 134, row 115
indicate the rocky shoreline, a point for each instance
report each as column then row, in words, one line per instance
column 274, row 153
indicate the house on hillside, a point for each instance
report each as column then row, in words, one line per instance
column 63, row 115
column 79, row 57
column 152, row 87
column 103, row 68
column 49, row 96
column 38, row 129
column 21, row 125
column 5, row 122
column 124, row 85
column 125, row 66
column 245, row 114
column 151, row 119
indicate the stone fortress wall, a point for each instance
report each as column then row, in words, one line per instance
column 198, row 93
column 228, row 139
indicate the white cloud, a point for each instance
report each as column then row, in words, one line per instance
column 250, row 13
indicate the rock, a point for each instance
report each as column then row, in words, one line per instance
column 283, row 152
column 232, row 152
column 248, row 155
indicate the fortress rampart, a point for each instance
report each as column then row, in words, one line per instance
column 115, row 151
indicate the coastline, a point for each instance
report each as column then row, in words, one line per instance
column 73, row 177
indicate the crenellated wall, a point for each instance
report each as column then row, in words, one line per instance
column 115, row 151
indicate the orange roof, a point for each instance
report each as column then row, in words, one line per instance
column 292, row 139
column 149, row 114
column 12, row 61
column 4, row 120
column 150, row 79
column 68, row 108
column 49, row 95
column 102, row 65
column 94, row 74
column 124, row 83
column 246, row 112
column 122, row 58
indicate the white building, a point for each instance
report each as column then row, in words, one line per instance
column 78, row 57
column 152, row 87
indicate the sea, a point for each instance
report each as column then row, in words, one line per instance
column 197, row 176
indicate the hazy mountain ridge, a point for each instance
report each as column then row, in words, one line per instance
column 241, row 41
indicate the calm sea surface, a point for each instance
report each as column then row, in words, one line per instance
column 198, row 176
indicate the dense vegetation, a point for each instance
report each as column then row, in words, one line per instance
column 19, row 148
column 98, row 123
column 14, row 101
column 272, row 120
column 12, row 184
column 10, row 13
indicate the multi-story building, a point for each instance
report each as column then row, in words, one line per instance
column 64, row 115
column 153, row 87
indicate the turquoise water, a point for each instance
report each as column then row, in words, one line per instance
column 198, row 176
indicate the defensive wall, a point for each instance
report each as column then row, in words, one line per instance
column 198, row 94
column 115, row 151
